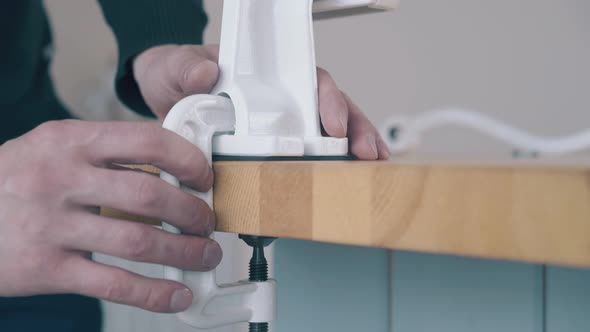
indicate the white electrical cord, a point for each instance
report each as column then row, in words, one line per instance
column 403, row 134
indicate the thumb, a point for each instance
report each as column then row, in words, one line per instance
column 169, row 73
column 196, row 77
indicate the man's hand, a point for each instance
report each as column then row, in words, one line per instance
column 53, row 179
column 166, row 74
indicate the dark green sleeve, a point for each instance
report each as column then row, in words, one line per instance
column 141, row 24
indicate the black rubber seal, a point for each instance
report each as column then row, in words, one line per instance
column 304, row 158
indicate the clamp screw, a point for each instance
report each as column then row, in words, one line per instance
column 258, row 268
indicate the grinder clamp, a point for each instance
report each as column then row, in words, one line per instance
column 264, row 104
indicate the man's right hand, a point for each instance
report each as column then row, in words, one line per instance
column 52, row 181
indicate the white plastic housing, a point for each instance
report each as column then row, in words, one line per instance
column 268, row 69
column 264, row 104
column 197, row 118
column 321, row 6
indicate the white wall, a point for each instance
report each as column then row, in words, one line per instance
column 523, row 61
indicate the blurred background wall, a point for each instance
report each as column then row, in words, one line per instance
column 524, row 62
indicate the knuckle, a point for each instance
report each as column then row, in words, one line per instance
column 147, row 193
column 32, row 263
column 41, row 261
column 151, row 301
column 29, row 181
column 199, row 222
column 53, row 265
column 153, row 137
column 42, row 178
column 196, row 167
column 50, row 128
column 190, row 160
column 138, row 243
column 179, row 57
column 190, row 252
column 54, row 131
column 115, row 290
column 35, row 228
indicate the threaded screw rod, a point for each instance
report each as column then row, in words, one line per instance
column 258, row 270
column 257, row 327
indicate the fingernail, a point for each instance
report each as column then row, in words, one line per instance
column 211, row 255
column 343, row 122
column 181, row 299
column 371, row 140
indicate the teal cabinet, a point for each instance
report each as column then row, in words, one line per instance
column 446, row 293
column 325, row 287
column 567, row 300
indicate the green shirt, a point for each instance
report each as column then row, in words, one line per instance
column 27, row 96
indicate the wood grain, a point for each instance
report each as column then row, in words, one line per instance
column 535, row 214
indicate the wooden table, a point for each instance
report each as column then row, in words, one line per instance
column 537, row 214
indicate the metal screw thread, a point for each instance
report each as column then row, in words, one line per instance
column 258, row 271
column 258, row 265
column 258, row 327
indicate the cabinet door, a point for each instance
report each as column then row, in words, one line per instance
column 567, row 300
column 445, row 293
column 324, row 287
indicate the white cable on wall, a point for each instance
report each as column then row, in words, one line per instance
column 403, row 134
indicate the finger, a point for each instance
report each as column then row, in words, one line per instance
column 146, row 143
column 211, row 52
column 196, row 77
column 141, row 243
column 363, row 138
column 169, row 73
column 384, row 153
column 332, row 106
column 189, row 71
column 84, row 277
column 145, row 195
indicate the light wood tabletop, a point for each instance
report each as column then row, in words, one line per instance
column 536, row 214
